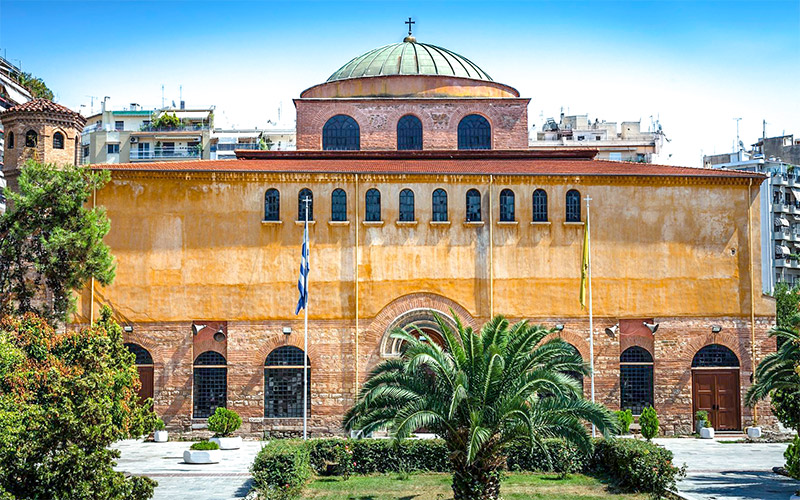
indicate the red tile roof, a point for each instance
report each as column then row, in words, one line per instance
column 451, row 162
column 42, row 105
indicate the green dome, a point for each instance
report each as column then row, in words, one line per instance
column 409, row 58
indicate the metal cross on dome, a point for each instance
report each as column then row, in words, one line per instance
column 409, row 23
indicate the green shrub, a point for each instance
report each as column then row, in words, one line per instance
column 224, row 422
column 648, row 420
column 281, row 469
column 205, row 445
column 636, row 466
column 625, row 419
column 159, row 426
column 701, row 416
column 786, row 407
column 792, row 456
column 556, row 456
column 707, row 424
column 381, row 455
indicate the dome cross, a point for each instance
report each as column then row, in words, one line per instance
column 409, row 23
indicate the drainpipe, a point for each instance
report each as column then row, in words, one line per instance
column 91, row 281
column 752, row 291
column 491, row 250
column 356, row 223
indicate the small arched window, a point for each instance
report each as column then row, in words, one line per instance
column 305, row 194
column 373, row 206
column 573, row 206
column 636, row 379
column 439, row 205
column 10, row 140
column 272, row 205
column 341, row 133
column 407, row 206
column 339, row 205
column 283, row 383
column 58, row 140
column 31, row 139
column 540, row 206
column 409, row 133
column 507, row 212
column 715, row 355
column 473, row 205
column 474, row 132
column 210, row 384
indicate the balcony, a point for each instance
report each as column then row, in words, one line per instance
column 234, row 146
column 781, row 234
column 165, row 154
column 180, row 128
column 780, row 207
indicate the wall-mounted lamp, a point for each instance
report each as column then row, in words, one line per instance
column 651, row 326
column 196, row 328
column 219, row 336
column 287, row 330
column 559, row 327
column 128, row 328
column 612, row 331
column 716, row 328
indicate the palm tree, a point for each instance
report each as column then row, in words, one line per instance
column 778, row 371
column 481, row 392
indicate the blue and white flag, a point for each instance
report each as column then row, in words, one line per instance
column 302, row 282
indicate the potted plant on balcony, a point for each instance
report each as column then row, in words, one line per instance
column 160, row 435
column 223, row 423
column 204, row 452
column 707, row 432
column 700, row 419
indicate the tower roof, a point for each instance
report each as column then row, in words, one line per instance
column 46, row 107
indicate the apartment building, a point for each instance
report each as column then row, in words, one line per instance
column 278, row 138
column 11, row 94
column 135, row 134
column 624, row 143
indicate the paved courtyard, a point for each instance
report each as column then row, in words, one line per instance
column 734, row 471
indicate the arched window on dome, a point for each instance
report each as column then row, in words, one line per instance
column 407, row 206
column 507, row 206
column 573, row 206
column 339, row 205
column 474, row 132
column 373, row 206
column 439, row 201
column 10, row 140
column 210, row 384
column 58, row 140
column 540, row 205
column 31, row 139
column 473, row 205
column 409, row 133
column 272, row 205
column 341, row 133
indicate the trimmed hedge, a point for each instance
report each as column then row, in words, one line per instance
column 638, row 466
column 564, row 458
column 281, row 469
column 382, row 455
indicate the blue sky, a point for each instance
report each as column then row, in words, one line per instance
column 694, row 65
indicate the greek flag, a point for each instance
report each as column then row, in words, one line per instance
column 302, row 282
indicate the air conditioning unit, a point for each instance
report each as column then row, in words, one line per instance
column 134, row 140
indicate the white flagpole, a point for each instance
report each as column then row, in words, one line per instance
column 589, row 277
column 305, row 331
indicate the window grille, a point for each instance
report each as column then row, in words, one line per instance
column 31, row 139
column 341, row 133
column 142, row 355
column 473, row 205
column 539, row 206
column 474, row 132
column 573, row 206
column 373, row 206
column 715, row 355
column 339, row 205
column 636, row 379
column 210, row 384
column 407, row 205
column 283, row 383
column 409, row 133
column 58, row 140
column 272, row 205
column 439, row 205
column 301, row 204
column 507, row 206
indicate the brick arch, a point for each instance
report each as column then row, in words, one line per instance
column 281, row 340
column 151, row 346
column 729, row 340
column 577, row 341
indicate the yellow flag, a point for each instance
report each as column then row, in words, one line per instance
column 584, row 266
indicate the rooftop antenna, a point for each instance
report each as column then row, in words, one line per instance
column 737, row 131
column 162, row 96
column 91, row 103
column 763, row 129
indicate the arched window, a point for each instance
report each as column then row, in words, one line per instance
column 272, row 205
column 507, row 206
column 373, row 206
column 58, row 140
column 636, row 379
column 210, row 384
column 304, row 194
column 573, row 206
column 31, row 139
column 473, row 205
column 539, row 206
column 143, row 357
column 409, row 133
column 439, row 205
column 407, row 206
column 474, row 132
column 144, row 367
column 576, row 375
column 10, row 140
column 341, row 133
column 283, row 383
column 715, row 355
column 339, row 205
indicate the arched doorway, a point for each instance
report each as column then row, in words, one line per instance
column 144, row 365
column 715, row 386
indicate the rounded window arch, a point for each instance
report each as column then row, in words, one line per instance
column 58, row 140
column 473, row 205
column 31, row 139
column 474, row 132
column 302, row 205
column 573, row 205
column 373, row 206
column 715, row 355
column 272, row 205
column 10, row 140
column 424, row 320
column 283, row 383
column 338, row 205
column 409, row 133
column 144, row 367
column 507, row 206
column 636, row 379
column 540, row 205
column 439, row 201
column 143, row 356
column 210, row 384
column 407, row 206
column 341, row 133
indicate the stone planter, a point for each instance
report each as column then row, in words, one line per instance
column 201, row 456
column 707, row 433
column 698, row 424
column 227, row 443
column 754, row 432
column 160, row 436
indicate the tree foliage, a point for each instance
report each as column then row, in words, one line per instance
column 482, row 392
column 787, row 300
column 52, row 243
column 64, row 398
column 777, row 375
column 167, row 120
column 34, row 85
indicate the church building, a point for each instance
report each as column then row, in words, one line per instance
column 426, row 199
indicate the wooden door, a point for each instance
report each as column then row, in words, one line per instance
column 146, row 378
column 717, row 392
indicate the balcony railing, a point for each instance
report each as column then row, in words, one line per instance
column 165, row 154
column 234, row 146
column 179, row 128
